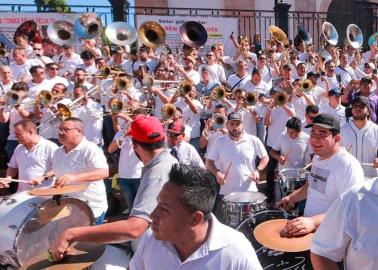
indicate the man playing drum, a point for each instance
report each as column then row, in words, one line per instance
column 333, row 171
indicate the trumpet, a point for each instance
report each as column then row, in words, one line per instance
column 149, row 81
column 168, row 111
column 221, row 92
column 219, row 121
column 44, row 98
column 281, row 98
column 11, row 99
column 306, row 85
column 251, row 99
column 185, row 87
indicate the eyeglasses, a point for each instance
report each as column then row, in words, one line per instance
column 358, row 106
column 173, row 135
column 65, row 130
column 37, row 49
column 209, row 55
column 54, row 68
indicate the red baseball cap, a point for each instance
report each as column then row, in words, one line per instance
column 176, row 127
column 146, row 129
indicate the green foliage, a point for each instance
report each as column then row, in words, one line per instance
column 52, row 6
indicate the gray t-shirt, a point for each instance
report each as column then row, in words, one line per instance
column 154, row 176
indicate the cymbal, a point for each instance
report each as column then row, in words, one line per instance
column 269, row 235
column 50, row 191
column 80, row 256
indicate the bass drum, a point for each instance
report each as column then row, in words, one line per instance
column 30, row 224
column 273, row 259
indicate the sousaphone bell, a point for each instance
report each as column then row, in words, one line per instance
column 302, row 36
column 278, row 35
column 330, row 33
column 60, row 32
column 28, row 28
column 193, row 34
column 88, row 26
column 354, row 36
column 121, row 33
column 151, row 34
column 373, row 39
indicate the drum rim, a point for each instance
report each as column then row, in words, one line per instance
column 260, row 200
column 34, row 211
column 263, row 212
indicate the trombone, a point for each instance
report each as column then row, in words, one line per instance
column 251, row 99
column 11, row 99
column 219, row 121
column 306, row 85
column 281, row 98
column 168, row 111
column 149, row 81
column 221, row 92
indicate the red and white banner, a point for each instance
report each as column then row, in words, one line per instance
column 218, row 29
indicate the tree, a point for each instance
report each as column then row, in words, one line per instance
column 52, row 6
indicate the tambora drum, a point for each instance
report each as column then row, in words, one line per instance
column 30, row 224
column 273, row 259
column 237, row 206
column 292, row 179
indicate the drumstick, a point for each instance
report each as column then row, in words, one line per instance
column 307, row 166
column 14, row 180
column 227, row 171
column 367, row 164
column 349, row 148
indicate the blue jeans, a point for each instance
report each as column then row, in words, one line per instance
column 129, row 188
column 99, row 220
column 261, row 132
column 9, row 147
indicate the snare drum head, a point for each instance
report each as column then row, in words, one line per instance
column 46, row 222
column 246, row 196
column 269, row 258
column 293, row 174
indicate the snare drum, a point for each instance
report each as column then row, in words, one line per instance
column 292, row 179
column 237, row 206
column 30, row 224
column 269, row 258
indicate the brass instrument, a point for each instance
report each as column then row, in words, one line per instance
column 219, row 121
column 60, row 32
column 149, row 81
column 221, row 92
column 330, row 34
column 354, row 36
column 302, row 36
column 193, row 34
column 3, row 51
column 168, row 111
column 278, row 35
column 205, row 99
column 251, row 98
column 151, row 34
column 121, row 33
column 306, row 85
column 121, row 84
column 28, row 28
column 281, row 98
column 185, row 87
column 11, row 99
column 88, row 26
column 373, row 39
column 44, row 98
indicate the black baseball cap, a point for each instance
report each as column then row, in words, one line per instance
column 325, row 121
column 234, row 116
column 362, row 99
column 313, row 74
column 335, row 92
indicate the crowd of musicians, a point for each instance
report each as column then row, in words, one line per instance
column 224, row 120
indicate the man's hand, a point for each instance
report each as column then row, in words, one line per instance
column 282, row 160
column 65, row 180
column 36, row 181
column 5, row 183
column 286, row 203
column 59, row 247
column 255, row 176
column 375, row 163
column 220, row 178
column 300, row 226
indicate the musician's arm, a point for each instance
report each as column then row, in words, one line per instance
column 11, row 172
column 4, row 116
column 322, row 263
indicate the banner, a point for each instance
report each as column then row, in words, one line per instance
column 218, row 29
column 10, row 21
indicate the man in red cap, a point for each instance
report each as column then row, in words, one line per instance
column 184, row 152
column 148, row 142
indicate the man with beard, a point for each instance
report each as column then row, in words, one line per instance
column 360, row 136
column 148, row 143
column 232, row 158
column 184, row 234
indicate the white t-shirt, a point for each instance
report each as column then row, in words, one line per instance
column 348, row 231
column 330, row 178
column 294, row 150
column 188, row 155
column 14, row 116
column 217, row 73
column 234, row 79
column 242, row 154
column 159, row 104
column 189, row 117
column 194, row 76
column 299, row 104
column 129, row 165
column 362, row 144
column 278, row 124
column 33, row 163
column 338, row 112
column 332, row 82
column 346, row 74
column 21, row 71
column 84, row 157
column 92, row 69
column 261, row 88
column 69, row 64
column 58, row 79
column 36, row 88
column 225, row 248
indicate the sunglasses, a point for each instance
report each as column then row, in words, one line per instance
column 209, row 55
column 54, row 68
column 170, row 134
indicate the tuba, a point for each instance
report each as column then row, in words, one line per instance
column 302, row 36
column 60, row 32
column 330, row 34
column 28, row 28
column 168, row 111
column 306, row 85
column 88, row 26
column 251, row 99
column 121, row 33
column 219, row 121
column 354, row 36
column 281, row 98
column 151, row 34
column 193, row 34
column 278, row 35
